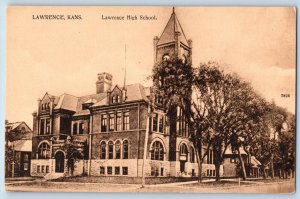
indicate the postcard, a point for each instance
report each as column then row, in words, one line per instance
column 150, row 99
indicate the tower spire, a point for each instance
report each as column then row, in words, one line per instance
column 173, row 10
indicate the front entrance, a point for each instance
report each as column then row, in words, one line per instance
column 182, row 166
column 25, row 164
column 59, row 162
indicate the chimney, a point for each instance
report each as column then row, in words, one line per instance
column 6, row 121
column 104, row 82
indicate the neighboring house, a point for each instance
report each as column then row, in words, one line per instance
column 109, row 127
column 231, row 163
column 18, row 147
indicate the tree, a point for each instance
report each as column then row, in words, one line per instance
column 229, row 107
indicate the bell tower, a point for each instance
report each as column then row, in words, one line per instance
column 172, row 43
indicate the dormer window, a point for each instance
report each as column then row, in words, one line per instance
column 116, row 99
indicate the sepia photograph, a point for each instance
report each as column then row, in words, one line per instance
column 150, row 99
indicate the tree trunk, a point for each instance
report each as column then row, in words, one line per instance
column 199, row 161
column 242, row 165
column 217, row 172
column 264, row 172
column 272, row 167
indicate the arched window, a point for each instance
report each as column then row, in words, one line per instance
column 166, row 57
column 118, row 149
column 110, row 150
column 125, row 149
column 183, row 152
column 44, row 151
column 103, row 150
column 192, row 155
column 157, row 151
column 75, row 128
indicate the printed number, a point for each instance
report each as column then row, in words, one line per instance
column 285, row 95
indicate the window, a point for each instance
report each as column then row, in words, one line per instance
column 109, row 170
column 102, row 170
column 161, row 171
column 110, row 150
column 113, row 99
column 166, row 57
column 103, row 123
column 111, row 122
column 43, row 169
column 44, row 151
column 118, row 99
column 81, row 128
column 38, row 170
column 74, row 128
column 42, row 128
column 47, row 169
column 154, row 171
column 161, row 124
column 125, row 170
column 125, row 149
column 26, row 157
column 118, row 150
column 154, row 127
column 117, row 170
column 119, row 121
column 157, row 151
column 126, row 121
column 183, row 150
column 47, row 126
column 103, row 150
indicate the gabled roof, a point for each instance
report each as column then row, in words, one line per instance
column 168, row 34
column 134, row 92
column 13, row 125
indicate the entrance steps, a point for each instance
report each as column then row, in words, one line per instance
column 52, row 176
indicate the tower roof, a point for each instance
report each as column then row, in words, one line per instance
column 171, row 28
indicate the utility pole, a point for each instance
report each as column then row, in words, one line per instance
column 146, row 145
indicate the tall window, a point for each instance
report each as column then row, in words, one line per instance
column 42, row 127
column 183, row 150
column 111, row 122
column 125, row 149
column 110, row 150
column 119, row 121
column 103, row 150
column 118, row 149
column 161, row 124
column 74, row 128
column 44, row 151
column 81, row 128
column 48, row 126
column 126, row 121
column 104, row 123
column 154, row 127
column 157, row 151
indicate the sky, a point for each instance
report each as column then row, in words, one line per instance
column 65, row 56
